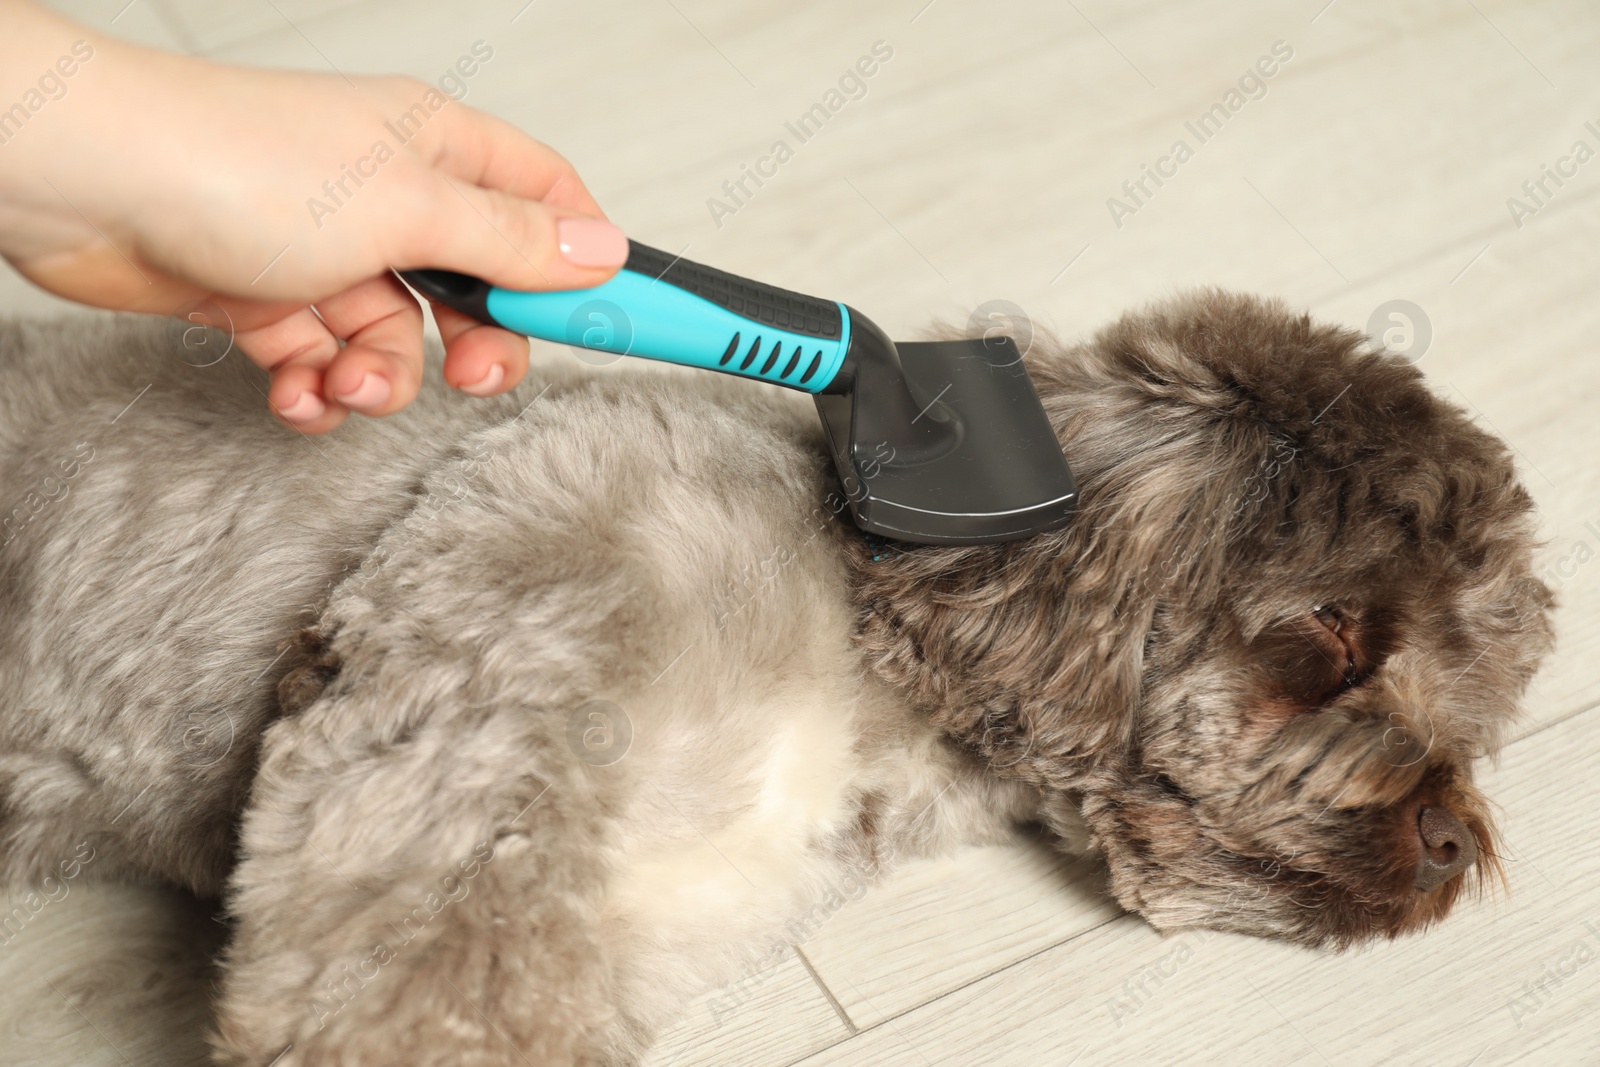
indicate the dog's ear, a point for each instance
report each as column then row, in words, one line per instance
column 1173, row 421
column 1031, row 652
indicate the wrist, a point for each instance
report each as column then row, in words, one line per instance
column 42, row 56
column 61, row 89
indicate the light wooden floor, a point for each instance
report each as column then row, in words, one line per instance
column 1376, row 166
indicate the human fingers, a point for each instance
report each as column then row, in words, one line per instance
column 480, row 359
column 295, row 349
column 491, row 153
column 379, row 368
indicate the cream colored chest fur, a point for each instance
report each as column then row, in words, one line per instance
column 771, row 779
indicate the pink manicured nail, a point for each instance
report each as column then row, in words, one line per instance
column 592, row 243
column 489, row 383
column 371, row 393
column 306, row 407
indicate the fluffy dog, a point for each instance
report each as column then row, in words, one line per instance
column 506, row 725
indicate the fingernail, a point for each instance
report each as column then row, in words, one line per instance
column 306, row 407
column 488, row 384
column 371, row 393
column 592, row 243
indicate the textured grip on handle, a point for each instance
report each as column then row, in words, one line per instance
column 764, row 305
column 665, row 308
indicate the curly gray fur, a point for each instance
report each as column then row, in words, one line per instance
column 351, row 682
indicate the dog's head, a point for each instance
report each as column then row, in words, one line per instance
column 1296, row 604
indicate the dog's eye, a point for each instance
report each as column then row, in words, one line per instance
column 1318, row 653
column 1329, row 616
column 1337, row 646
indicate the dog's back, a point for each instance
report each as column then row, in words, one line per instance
column 161, row 536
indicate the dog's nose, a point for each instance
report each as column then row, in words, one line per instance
column 1448, row 847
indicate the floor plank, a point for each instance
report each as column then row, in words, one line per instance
column 767, row 1018
column 937, row 925
column 98, row 975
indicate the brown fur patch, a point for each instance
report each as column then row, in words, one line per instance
column 1241, row 760
column 316, row 666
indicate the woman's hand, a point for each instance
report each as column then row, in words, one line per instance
column 152, row 180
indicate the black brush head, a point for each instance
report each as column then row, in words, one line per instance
column 944, row 442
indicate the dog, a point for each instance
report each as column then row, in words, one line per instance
column 502, row 727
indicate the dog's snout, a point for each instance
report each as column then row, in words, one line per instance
column 1448, row 847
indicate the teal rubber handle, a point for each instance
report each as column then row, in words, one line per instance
column 665, row 308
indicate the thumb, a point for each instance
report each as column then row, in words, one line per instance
column 514, row 242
